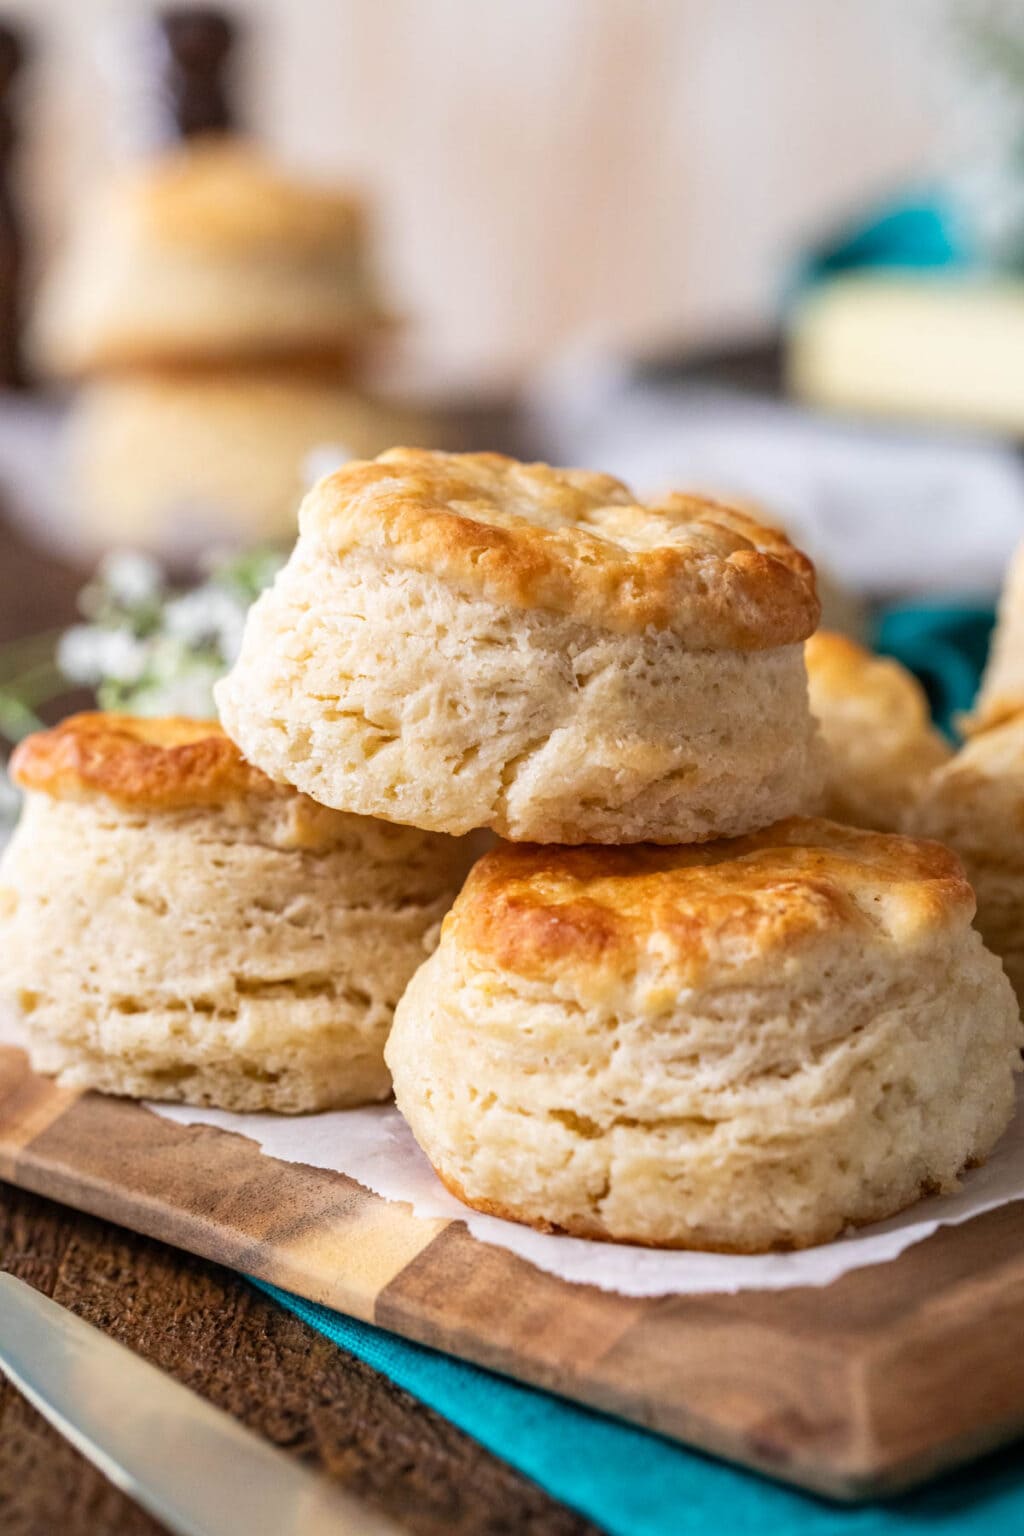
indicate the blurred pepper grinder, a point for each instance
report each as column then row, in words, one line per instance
column 12, row 375
column 194, row 86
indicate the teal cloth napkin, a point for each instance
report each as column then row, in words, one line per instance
column 631, row 1482
column 918, row 232
column 945, row 644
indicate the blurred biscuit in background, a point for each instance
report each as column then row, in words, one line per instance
column 975, row 803
column 1002, row 685
column 204, row 257
column 218, row 316
column 168, row 461
column 880, row 745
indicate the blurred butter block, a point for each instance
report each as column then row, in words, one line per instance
column 207, row 256
column 170, row 462
column 933, row 348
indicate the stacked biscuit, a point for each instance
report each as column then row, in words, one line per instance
column 726, row 1043
column 218, row 315
column 668, row 1008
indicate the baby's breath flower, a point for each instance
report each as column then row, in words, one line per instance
column 130, row 577
column 190, row 693
column 88, row 653
column 209, row 616
column 146, row 648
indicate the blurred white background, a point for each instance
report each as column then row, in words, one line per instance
column 620, row 170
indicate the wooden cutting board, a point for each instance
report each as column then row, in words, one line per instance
column 861, row 1388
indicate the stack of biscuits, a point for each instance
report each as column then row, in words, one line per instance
column 670, row 1005
column 218, row 316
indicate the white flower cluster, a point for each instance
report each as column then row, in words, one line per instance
column 88, row 655
column 144, row 647
column 152, row 650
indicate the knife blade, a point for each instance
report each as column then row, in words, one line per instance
column 191, row 1466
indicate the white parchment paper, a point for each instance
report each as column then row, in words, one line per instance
column 375, row 1147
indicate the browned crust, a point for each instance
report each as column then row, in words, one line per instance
column 697, row 1243
column 160, row 764
column 534, row 911
column 531, row 536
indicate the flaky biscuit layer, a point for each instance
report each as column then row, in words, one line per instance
column 381, row 690
column 174, row 925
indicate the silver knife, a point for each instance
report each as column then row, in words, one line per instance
column 190, row 1465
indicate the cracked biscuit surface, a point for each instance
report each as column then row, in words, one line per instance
column 745, row 1045
column 463, row 641
column 175, row 926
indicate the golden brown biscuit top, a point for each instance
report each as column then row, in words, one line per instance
column 609, row 913
column 222, row 195
column 164, row 764
column 571, row 541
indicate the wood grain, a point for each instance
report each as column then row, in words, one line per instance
column 855, row 1390
column 210, row 1330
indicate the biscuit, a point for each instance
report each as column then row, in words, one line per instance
column 167, row 461
column 842, row 608
column 739, row 1046
column 880, row 744
column 206, row 256
column 975, row 804
column 174, row 926
column 462, row 641
column 1002, row 685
